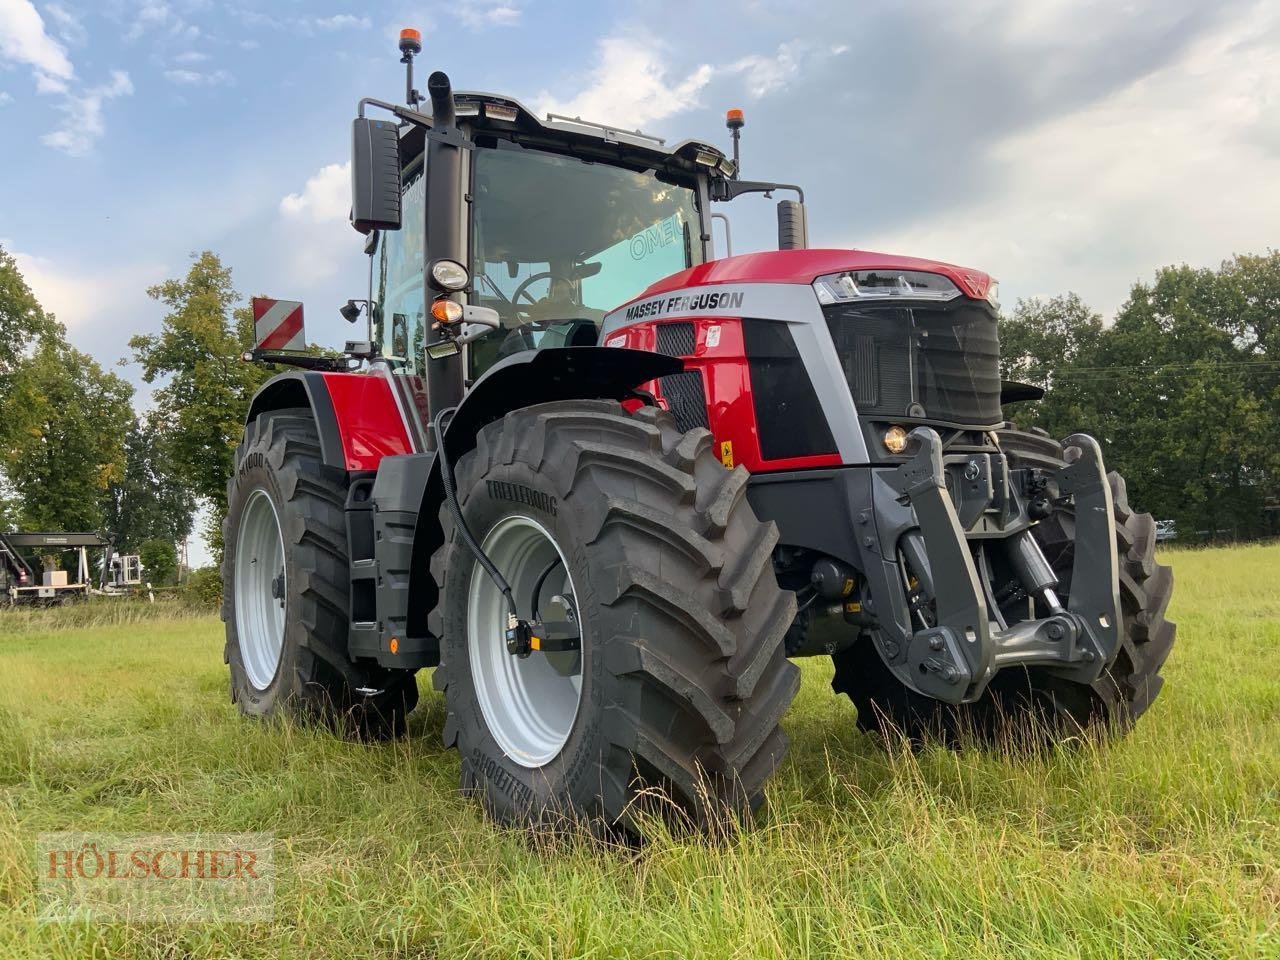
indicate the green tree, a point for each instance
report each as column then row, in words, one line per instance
column 159, row 562
column 148, row 502
column 206, row 389
column 22, row 320
column 62, row 436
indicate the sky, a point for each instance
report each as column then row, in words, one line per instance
column 1057, row 145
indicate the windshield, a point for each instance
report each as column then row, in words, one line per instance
column 558, row 242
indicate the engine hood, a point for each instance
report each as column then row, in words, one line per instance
column 804, row 266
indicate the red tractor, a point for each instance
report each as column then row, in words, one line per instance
column 607, row 485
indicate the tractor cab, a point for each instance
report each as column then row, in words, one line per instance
column 562, row 221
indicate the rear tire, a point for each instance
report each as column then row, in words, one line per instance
column 682, row 676
column 287, row 655
column 1032, row 702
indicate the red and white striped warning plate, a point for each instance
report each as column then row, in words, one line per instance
column 277, row 324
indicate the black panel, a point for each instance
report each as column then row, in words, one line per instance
column 675, row 339
column 686, row 398
column 922, row 361
column 789, row 418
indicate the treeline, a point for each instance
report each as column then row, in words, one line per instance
column 75, row 454
column 1182, row 389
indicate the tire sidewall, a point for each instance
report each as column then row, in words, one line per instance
column 253, row 473
column 571, row 778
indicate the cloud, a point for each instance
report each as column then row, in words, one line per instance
column 5, row 98
column 326, row 197
column 68, row 25
column 82, row 297
column 482, row 14
column 630, row 84
column 191, row 56
column 1178, row 166
column 765, row 75
column 84, row 125
column 23, row 40
column 158, row 15
column 342, row 21
column 194, row 78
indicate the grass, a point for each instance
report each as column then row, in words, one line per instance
column 1164, row 845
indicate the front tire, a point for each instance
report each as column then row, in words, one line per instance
column 1033, row 702
column 681, row 680
column 286, row 589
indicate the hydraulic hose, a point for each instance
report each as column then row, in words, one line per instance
column 451, row 498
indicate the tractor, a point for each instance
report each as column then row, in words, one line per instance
column 609, row 486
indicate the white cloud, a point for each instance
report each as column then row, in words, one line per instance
column 158, row 15
column 84, row 124
column 326, row 196
column 191, row 56
column 342, row 21
column 5, row 98
column 68, row 25
column 630, row 85
column 23, row 40
column 481, row 14
column 81, row 296
column 194, row 78
column 1177, row 167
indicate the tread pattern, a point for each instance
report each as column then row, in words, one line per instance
column 1052, row 704
column 323, row 681
column 691, row 621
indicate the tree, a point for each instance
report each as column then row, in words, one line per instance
column 1183, row 389
column 206, row 388
column 159, row 560
column 62, row 436
column 148, row 502
column 22, row 320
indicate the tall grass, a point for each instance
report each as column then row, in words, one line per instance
column 1164, row 845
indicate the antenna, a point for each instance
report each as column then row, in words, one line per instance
column 410, row 46
column 733, row 119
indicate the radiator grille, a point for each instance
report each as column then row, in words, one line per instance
column 685, row 397
column 675, row 339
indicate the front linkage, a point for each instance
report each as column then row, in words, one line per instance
column 952, row 651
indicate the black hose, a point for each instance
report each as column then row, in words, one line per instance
column 451, row 498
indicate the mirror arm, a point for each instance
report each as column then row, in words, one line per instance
column 451, row 135
column 729, row 189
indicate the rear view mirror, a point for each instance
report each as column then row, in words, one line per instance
column 375, row 175
column 793, row 226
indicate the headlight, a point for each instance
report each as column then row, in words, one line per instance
column 883, row 285
column 993, row 296
column 449, row 275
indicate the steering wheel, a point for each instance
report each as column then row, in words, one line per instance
column 523, row 291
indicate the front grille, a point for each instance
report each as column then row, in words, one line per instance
column 920, row 362
column 675, row 339
column 685, row 398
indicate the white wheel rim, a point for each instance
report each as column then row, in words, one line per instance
column 259, row 611
column 529, row 704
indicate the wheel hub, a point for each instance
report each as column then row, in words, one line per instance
column 260, row 589
column 527, row 670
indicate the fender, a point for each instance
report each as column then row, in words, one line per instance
column 355, row 414
column 532, row 377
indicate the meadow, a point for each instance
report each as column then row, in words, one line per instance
column 1165, row 844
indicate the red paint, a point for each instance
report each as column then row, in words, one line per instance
column 282, row 334
column 727, row 383
column 805, row 266
column 369, row 422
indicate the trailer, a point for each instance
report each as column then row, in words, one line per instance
column 118, row 574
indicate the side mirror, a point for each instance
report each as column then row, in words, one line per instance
column 375, row 175
column 793, row 226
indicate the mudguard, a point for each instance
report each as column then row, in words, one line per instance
column 532, row 377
